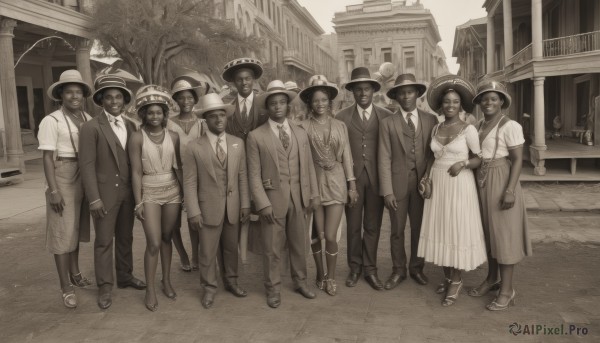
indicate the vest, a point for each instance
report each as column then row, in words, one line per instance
column 221, row 175
column 124, row 173
column 289, row 169
column 415, row 149
column 363, row 145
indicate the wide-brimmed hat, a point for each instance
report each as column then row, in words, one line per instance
column 460, row 85
column 68, row 76
column 274, row 87
column 292, row 86
column 151, row 94
column 104, row 82
column 245, row 62
column 211, row 102
column 362, row 74
column 492, row 86
column 406, row 80
column 189, row 83
column 317, row 82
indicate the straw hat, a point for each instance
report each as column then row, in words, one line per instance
column 104, row 82
column 314, row 83
column 492, row 86
column 442, row 84
column 362, row 74
column 211, row 102
column 246, row 62
column 406, row 80
column 187, row 82
column 68, row 76
column 274, row 87
column 151, row 94
column 292, row 86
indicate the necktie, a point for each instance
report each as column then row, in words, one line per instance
column 283, row 136
column 244, row 109
column 117, row 123
column 220, row 152
column 411, row 125
column 365, row 119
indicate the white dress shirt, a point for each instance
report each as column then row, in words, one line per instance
column 275, row 129
column 414, row 118
column 249, row 101
column 362, row 110
column 212, row 138
column 120, row 130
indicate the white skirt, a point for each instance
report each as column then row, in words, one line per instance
column 451, row 231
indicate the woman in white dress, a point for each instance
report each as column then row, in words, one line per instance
column 451, row 232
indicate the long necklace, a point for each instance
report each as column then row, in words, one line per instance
column 322, row 122
column 322, row 147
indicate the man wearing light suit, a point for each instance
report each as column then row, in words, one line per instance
column 217, row 197
column 284, row 187
column 404, row 150
column 364, row 218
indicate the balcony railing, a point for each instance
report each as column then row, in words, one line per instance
column 523, row 56
column 574, row 44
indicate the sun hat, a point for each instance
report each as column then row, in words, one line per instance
column 104, row 82
column 68, row 76
column 442, row 84
column 274, row 87
column 492, row 86
column 211, row 102
column 362, row 74
column 151, row 94
column 317, row 82
column 292, row 86
column 245, row 62
column 406, row 80
column 189, row 83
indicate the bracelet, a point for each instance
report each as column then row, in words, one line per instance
column 352, row 191
column 137, row 207
column 54, row 191
column 466, row 163
column 510, row 192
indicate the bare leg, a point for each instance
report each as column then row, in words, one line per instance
column 506, row 288
column 62, row 266
column 169, row 215
column 490, row 283
column 317, row 245
column 333, row 215
column 152, row 229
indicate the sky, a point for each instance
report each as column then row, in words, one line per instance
column 447, row 13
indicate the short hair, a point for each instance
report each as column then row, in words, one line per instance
column 189, row 90
column 312, row 93
column 269, row 97
column 143, row 111
column 60, row 89
column 126, row 95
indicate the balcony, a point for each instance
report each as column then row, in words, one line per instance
column 571, row 45
column 294, row 58
column 521, row 57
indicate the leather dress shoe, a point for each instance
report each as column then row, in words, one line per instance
column 208, row 300
column 374, row 282
column 274, row 300
column 394, row 280
column 236, row 290
column 307, row 293
column 133, row 282
column 420, row 278
column 104, row 300
column 352, row 279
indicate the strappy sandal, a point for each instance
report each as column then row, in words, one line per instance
column 443, row 287
column 449, row 300
column 79, row 280
column 495, row 306
column 475, row 292
column 69, row 299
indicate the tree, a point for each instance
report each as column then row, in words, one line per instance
column 148, row 34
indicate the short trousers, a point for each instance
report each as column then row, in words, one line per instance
column 162, row 194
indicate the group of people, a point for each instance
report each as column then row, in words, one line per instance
column 227, row 161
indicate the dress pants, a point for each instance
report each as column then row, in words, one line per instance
column 117, row 223
column 293, row 227
column 411, row 205
column 218, row 244
column 363, row 227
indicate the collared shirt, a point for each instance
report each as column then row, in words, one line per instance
column 54, row 134
column 212, row 138
column 274, row 127
column 120, row 130
column 362, row 110
column 414, row 117
column 249, row 101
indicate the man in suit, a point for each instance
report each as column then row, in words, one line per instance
column 284, row 187
column 362, row 119
column 217, row 197
column 106, row 179
column 404, row 150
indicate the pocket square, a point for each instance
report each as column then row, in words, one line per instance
column 234, row 145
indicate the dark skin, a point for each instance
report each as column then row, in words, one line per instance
column 363, row 94
column 216, row 122
column 244, row 81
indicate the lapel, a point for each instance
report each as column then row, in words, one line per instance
column 271, row 142
column 296, row 135
column 424, row 127
column 398, row 124
column 109, row 134
column 205, row 153
column 357, row 120
column 233, row 151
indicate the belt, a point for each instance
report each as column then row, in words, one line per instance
column 66, row 158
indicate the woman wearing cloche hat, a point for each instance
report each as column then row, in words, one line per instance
column 67, row 220
column 156, row 179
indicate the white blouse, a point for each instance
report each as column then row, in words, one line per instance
column 510, row 137
column 54, row 134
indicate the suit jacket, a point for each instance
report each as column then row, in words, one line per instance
column 98, row 162
column 233, row 124
column 263, row 165
column 203, row 193
column 393, row 149
column 364, row 157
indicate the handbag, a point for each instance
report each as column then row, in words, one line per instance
column 482, row 171
column 425, row 187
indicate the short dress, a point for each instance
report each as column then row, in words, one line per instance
column 332, row 159
column 506, row 231
column 159, row 181
column 451, row 231
column 63, row 233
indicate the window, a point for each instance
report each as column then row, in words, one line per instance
column 367, row 54
column 386, row 54
column 409, row 60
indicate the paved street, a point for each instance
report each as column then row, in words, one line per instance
column 557, row 286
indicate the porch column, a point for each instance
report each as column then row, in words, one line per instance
column 82, row 59
column 491, row 45
column 539, row 139
column 12, row 126
column 508, row 30
column 536, row 29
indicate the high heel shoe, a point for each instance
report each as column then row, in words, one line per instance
column 476, row 292
column 79, row 280
column 449, row 300
column 69, row 298
column 330, row 287
column 150, row 307
column 494, row 306
column 321, row 282
column 443, row 287
column 171, row 295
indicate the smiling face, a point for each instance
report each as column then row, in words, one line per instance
column 277, row 106
column 244, row 81
column 363, row 94
column 319, row 102
column 72, row 96
column 407, row 97
column 451, row 104
column 491, row 103
column 113, row 101
column 185, row 100
column 216, row 121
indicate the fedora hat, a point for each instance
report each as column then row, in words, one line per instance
column 245, row 62
column 274, row 87
column 406, row 80
column 104, row 82
column 442, row 84
column 189, row 83
column 361, row 74
column 314, row 83
column 211, row 102
column 492, row 86
column 292, row 86
column 68, row 76
column 151, row 94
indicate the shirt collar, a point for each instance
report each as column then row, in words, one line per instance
column 274, row 124
column 415, row 112
column 212, row 138
column 111, row 118
column 249, row 99
column 368, row 109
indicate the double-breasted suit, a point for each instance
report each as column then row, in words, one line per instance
column 367, row 213
column 239, row 125
column 284, row 179
column 402, row 162
column 217, row 192
column 106, row 176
